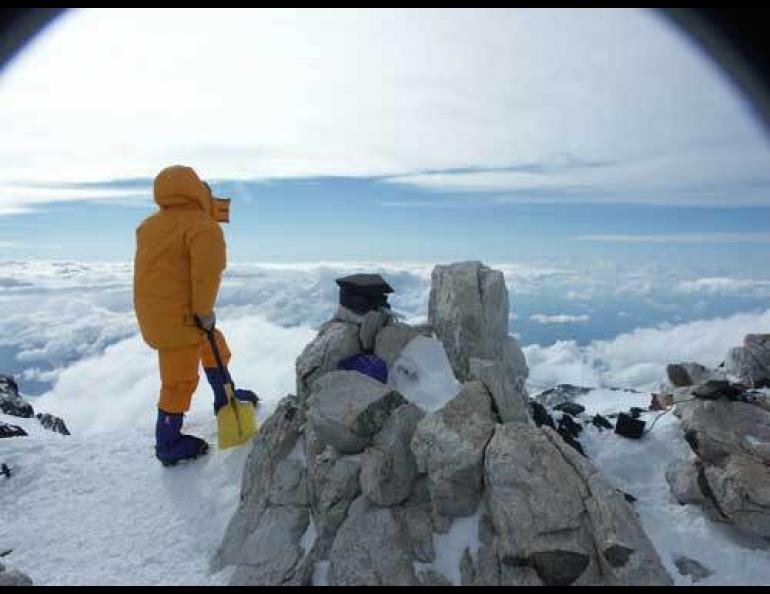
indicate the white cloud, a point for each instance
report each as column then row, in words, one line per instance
column 556, row 104
column 638, row 359
column 560, row 319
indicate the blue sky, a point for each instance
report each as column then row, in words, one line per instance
column 368, row 219
column 386, row 134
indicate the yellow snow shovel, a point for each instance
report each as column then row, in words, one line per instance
column 236, row 420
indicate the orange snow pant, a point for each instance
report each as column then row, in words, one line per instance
column 179, row 372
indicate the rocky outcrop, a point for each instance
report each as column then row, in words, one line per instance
column 347, row 409
column 750, row 363
column 7, row 430
column 11, row 403
column 449, row 447
column 334, row 342
column 371, row 549
column 388, row 467
column 510, row 397
column 351, row 482
column 277, row 438
column 53, row 423
column 469, row 311
column 729, row 475
column 558, row 522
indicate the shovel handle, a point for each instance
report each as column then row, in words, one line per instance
column 215, row 350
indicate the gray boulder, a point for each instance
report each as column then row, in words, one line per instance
column 557, row 519
column 727, row 438
column 276, row 439
column 468, row 309
column 510, row 397
column 388, row 467
column 751, row 362
column 346, row 409
column 334, row 342
column 449, row 446
column 272, row 554
column 371, row 550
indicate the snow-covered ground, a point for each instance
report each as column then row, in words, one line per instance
column 638, row 468
column 100, row 510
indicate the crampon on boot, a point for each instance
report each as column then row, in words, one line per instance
column 172, row 446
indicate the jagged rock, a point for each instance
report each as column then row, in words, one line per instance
column 571, row 408
column 751, row 362
column 388, row 467
column 11, row 403
column 13, row 578
column 511, row 400
column 7, row 430
column 468, row 309
column 334, row 485
column 568, row 424
column 713, row 389
column 540, row 415
column 53, row 423
column 272, row 553
column 334, row 342
column 371, row 550
column 449, row 446
column 391, row 340
column 276, row 439
column 690, row 567
column 601, row 422
column 582, row 532
column 347, row 409
column 732, row 476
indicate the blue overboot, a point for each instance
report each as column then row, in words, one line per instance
column 173, row 446
column 218, row 380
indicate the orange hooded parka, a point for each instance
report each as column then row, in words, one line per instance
column 180, row 258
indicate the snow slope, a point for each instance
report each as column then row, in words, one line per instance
column 638, row 468
column 100, row 510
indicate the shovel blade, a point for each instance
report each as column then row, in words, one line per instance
column 236, row 424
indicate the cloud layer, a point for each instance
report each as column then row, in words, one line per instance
column 596, row 105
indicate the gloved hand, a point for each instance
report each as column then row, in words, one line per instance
column 206, row 323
